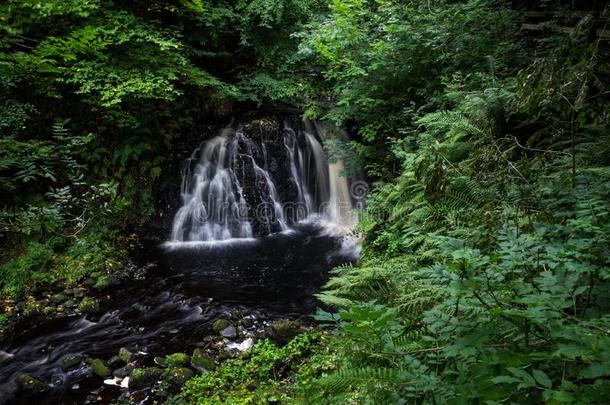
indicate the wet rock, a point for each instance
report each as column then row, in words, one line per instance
column 70, row 304
column 177, row 359
column 160, row 361
column 142, row 378
column 99, row 367
column 115, row 362
column 125, row 355
column 179, row 375
column 70, row 361
column 58, row 298
column 283, row 330
column 20, row 306
column 200, row 361
column 220, row 324
column 89, row 305
column 78, row 293
column 123, row 371
column 28, row 383
column 229, row 332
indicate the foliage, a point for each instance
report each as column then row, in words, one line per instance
column 484, row 275
column 259, row 378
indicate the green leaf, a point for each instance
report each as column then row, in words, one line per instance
column 542, row 378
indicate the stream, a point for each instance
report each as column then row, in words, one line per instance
column 187, row 288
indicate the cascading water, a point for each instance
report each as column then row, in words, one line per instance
column 258, row 179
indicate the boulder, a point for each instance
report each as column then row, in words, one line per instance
column 177, row 359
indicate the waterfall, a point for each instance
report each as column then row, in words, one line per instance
column 260, row 178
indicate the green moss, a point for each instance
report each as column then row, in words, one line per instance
column 99, row 367
column 177, row 359
column 89, row 304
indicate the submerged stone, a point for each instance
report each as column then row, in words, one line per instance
column 28, row 383
column 70, row 361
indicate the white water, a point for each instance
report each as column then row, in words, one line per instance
column 229, row 192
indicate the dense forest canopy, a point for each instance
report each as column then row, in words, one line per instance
column 482, row 126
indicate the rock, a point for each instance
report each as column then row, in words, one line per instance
column 70, row 304
column 177, row 359
column 202, row 362
column 48, row 310
column 99, row 367
column 115, row 362
column 58, row 298
column 125, row 355
column 123, row 371
column 20, row 306
column 179, row 375
column 144, row 377
column 28, row 383
column 220, row 324
column 283, row 330
column 89, row 305
column 229, row 332
column 101, row 283
column 78, row 293
column 70, row 361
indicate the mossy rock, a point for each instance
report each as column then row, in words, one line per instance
column 28, row 383
column 70, row 361
column 58, row 298
column 177, row 359
column 220, row 324
column 89, row 305
column 179, row 375
column 141, row 378
column 284, row 330
column 103, row 282
column 201, row 361
column 115, row 362
column 125, row 355
column 99, row 367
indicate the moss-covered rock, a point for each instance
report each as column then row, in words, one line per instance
column 177, row 376
column 177, row 359
column 284, row 330
column 70, row 361
column 28, row 383
column 125, row 355
column 115, row 362
column 200, row 361
column 58, row 298
column 89, row 305
column 141, row 378
column 220, row 324
column 100, row 368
